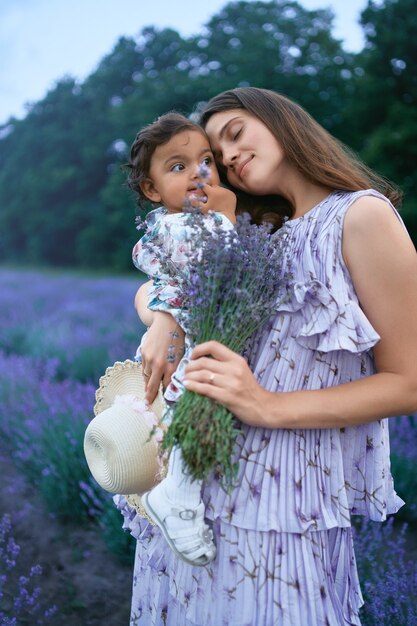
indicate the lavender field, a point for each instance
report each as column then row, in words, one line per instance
column 58, row 333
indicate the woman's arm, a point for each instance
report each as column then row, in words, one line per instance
column 383, row 264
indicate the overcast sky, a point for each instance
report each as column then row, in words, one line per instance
column 42, row 40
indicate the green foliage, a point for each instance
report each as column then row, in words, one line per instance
column 63, row 466
column 61, row 188
column 207, row 443
column 122, row 545
column 383, row 118
column 403, row 447
column 405, row 480
column 280, row 46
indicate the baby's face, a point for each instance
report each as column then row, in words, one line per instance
column 173, row 175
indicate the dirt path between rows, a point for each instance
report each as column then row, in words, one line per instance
column 80, row 576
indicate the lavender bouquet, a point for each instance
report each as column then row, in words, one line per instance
column 230, row 288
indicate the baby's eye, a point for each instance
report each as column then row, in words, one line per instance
column 178, row 167
column 208, row 161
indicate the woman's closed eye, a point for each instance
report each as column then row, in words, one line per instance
column 236, row 134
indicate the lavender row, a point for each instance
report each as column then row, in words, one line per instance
column 76, row 326
column 82, row 324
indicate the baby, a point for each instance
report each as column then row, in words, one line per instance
column 166, row 161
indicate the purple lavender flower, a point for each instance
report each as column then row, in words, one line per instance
column 203, row 172
column 231, row 285
column 389, row 592
column 19, row 594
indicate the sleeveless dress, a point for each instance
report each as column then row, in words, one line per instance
column 284, row 545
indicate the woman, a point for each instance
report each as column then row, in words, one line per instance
column 340, row 355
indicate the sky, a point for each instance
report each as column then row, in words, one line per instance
column 43, row 40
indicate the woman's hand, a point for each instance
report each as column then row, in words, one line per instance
column 224, row 376
column 162, row 349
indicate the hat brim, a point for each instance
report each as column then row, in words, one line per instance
column 125, row 377
column 117, row 444
column 120, row 449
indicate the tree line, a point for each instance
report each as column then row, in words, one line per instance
column 63, row 200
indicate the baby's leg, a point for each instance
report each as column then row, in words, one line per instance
column 176, row 507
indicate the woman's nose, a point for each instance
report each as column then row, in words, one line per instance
column 229, row 156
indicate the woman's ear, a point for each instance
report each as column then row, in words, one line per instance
column 149, row 190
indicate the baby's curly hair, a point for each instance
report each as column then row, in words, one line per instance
column 147, row 140
column 262, row 209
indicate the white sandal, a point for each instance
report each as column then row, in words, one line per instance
column 193, row 545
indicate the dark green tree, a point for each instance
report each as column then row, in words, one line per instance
column 277, row 45
column 383, row 116
column 62, row 194
column 40, row 179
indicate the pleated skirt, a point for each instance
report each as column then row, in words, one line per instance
column 257, row 579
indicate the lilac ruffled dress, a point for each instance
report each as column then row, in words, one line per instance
column 285, row 553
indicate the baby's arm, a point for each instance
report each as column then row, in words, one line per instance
column 141, row 304
column 158, row 293
column 163, row 346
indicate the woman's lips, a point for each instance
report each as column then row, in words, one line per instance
column 243, row 165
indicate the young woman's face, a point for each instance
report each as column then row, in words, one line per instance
column 173, row 175
column 247, row 150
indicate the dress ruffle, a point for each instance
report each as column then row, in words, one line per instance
column 304, row 480
column 326, row 322
column 257, row 579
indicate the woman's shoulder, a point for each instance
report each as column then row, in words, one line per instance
column 368, row 213
column 370, row 198
column 373, row 224
column 366, row 209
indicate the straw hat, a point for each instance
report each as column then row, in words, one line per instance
column 120, row 443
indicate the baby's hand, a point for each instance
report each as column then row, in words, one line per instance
column 221, row 200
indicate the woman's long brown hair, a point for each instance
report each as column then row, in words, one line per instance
column 318, row 156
